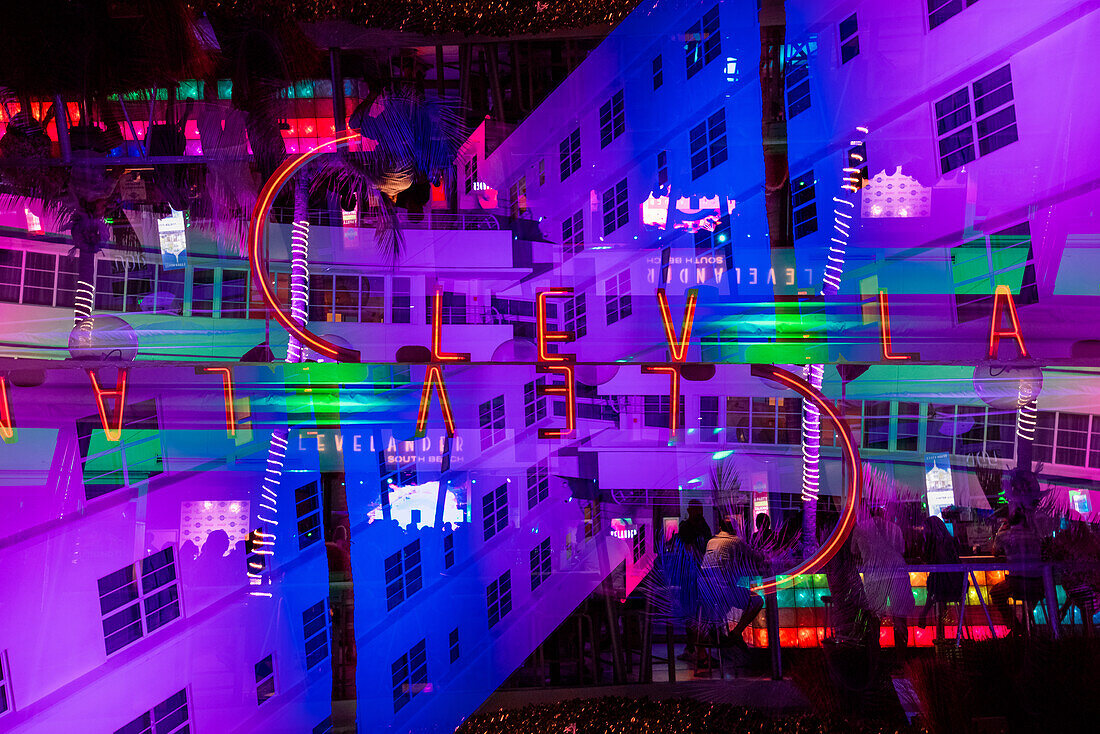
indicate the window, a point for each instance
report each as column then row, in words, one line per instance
column 979, row 266
column 498, row 598
column 941, row 10
column 202, row 292
column 612, row 119
column 708, row 144
column 452, row 644
column 1094, row 444
column 234, row 294
column 658, row 72
column 6, row 703
column 454, row 307
column 616, row 209
column 570, row 154
column 538, row 483
column 542, row 171
column 39, row 278
column 638, row 544
column 716, row 243
column 540, row 564
column 491, row 419
column 1043, row 444
column 325, row 727
column 804, row 205
column 138, row 599
column 797, row 80
column 1000, row 434
column 494, row 510
column 168, row 717
column 410, row 675
column 448, row 550
column 876, row 424
column 618, row 297
column 572, row 234
column 766, row 420
column 307, row 503
column 401, row 304
column 849, row 41
column 702, row 43
column 518, row 196
column 470, row 169
column 575, row 320
column 346, row 298
column 265, row 680
column 403, row 574
column 708, row 419
column 993, row 113
column 908, row 427
column 11, row 275
column 1072, row 439
column 534, row 405
column 657, row 410
column 315, row 633
column 662, row 168
column 133, row 459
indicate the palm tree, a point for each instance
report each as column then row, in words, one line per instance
column 65, row 51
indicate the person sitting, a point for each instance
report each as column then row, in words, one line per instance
column 944, row 587
column 1019, row 544
column 726, row 561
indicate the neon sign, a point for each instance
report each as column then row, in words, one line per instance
column 690, row 213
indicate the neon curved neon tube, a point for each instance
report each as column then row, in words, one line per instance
column 850, row 454
column 257, row 255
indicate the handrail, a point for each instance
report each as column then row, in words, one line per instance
column 430, row 219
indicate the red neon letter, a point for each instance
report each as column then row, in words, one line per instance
column 434, row 376
column 568, row 389
column 677, row 347
column 884, row 328
column 119, row 396
column 544, row 335
column 1004, row 295
column 227, row 388
column 437, row 333
column 7, row 421
column 673, row 390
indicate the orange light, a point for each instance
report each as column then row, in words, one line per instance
column 677, row 347
column 434, row 377
column 850, row 455
column 257, row 257
column 7, row 421
column 1000, row 297
column 568, row 389
column 884, row 328
column 227, row 388
column 119, row 396
column 546, row 336
column 437, row 333
column 673, row 390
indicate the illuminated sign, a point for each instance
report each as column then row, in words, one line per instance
column 173, row 241
column 396, row 452
column 1079, row 500
column 690, row 213
column 938, row 483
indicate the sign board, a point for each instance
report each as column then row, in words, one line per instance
column 938, row 483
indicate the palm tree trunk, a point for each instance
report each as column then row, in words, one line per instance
column 85, row 232
column 299, row 264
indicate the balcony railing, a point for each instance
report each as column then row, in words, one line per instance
column 370, row 218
